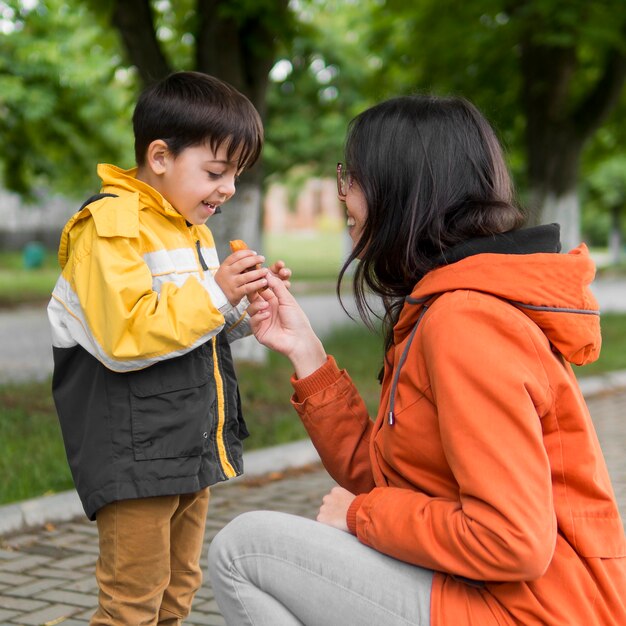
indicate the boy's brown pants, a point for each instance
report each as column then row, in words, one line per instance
column 148, row 569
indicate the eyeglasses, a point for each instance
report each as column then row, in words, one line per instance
column 344, row 181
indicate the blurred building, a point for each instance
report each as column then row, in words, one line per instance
column 21, row 222
column 316, row 207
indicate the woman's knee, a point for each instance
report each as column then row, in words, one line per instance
column 238, row 537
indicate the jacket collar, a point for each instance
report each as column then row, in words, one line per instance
column 535, row 240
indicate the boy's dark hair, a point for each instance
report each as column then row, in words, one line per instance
column 191, row 108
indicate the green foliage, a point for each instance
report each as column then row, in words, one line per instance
column 66, row 91
column 604, row 195
column 449, row 47
column 318, row 86
column 608, row 182
column 595, row 223
column 175, row 28
column 62, row 105
column 473, row 49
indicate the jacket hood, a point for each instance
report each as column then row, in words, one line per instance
column 115, row 211
column 524, row 268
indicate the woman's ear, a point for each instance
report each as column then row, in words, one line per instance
column 157, row 155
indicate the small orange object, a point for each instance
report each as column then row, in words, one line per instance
column 238, row 244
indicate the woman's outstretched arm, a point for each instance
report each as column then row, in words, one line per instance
column 329, row 405
column 279, row 323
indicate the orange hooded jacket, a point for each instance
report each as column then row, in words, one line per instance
column 489, row 470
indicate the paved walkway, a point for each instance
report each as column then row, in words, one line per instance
column 47, row 574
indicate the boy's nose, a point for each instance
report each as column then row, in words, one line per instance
column 227, row 187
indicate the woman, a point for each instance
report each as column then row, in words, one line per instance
column 479, row 495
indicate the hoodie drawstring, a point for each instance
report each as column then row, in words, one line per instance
column 205, row 267
column 391, row 418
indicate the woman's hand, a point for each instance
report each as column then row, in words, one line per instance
column 334, row 509
column 279, row 323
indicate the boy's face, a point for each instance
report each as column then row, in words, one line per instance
column 197, row 181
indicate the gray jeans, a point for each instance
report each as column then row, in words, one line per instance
column 275, row 569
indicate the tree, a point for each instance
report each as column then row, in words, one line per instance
column 548, row 72
column 234, row 40
column 317, row 87
column 61, row 99
column 573, row 70
column 71, row 69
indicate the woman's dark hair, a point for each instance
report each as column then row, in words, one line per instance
column 189, row 109
column 433, row 175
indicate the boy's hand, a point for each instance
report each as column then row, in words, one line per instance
column 282, row 271
column 239, row 276
column 278, row 268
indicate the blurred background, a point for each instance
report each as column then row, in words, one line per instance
column 549, row 75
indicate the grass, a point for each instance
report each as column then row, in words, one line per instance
column 20, row 285
column 315, row 256
column 265, row 389
column 613, row 353
column 32, row 457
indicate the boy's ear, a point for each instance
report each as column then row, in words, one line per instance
column 157, row 155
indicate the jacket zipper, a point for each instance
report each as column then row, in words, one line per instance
column 227, row 468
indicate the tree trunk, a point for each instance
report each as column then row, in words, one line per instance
column 552, row 145
column 563, row 209
column 553, row 163
column 558, row 123
column 133, row 20
column 240, row 50
column 241, row 219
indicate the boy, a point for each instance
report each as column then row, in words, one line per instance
column 141, row 319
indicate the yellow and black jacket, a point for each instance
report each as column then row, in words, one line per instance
column 144, row 383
